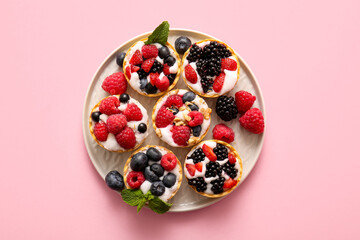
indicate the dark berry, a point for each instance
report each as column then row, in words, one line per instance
column 206, row 83
column 142, row 74
column 188, row 97
column 174, row 110
column 156, row 67
column 95, row 116
column 182, row 44
column 171, row 78
column 220, row 151
column 157, row 188
column 142, row 127
column 196, row 130
column 143, row 83
column 153, row 154
column 157, row 169
column 193, row 107
column 230, row 169
column 150, row 175
column 120, row 59
column 213, row 169
column 150, row 89
column 217, row 185
column 226, row 108
column 170, row 60
column 124, row 98
column 139, row 162
column 115, row 180
column 169, row 180
column 163, row 52
column 197, row 156
column 195, row 53
column 199, row 183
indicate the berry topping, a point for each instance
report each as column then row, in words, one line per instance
column 157, row 169
column 213, row 169
column 196, row 130
column 175, row 100
column 182, row 44
column 136, row 58
column 95, row 116
column 134, row 68
column 220, row 151
column 124, row 98
column 171, row 78
column 126, row 138
column 147, row 64
column 219, row 82
column 115, row 84
column 199, row 183
column 197, row 156
column 135, row 179
column 153, row 154
column 120, row 59
column 157, row 67
column 174, row 110
column 150, row 175
column 228, row 64
column 191, row 169
column 164, row 52
column 195, row 53
column 198, row 166
column 109, row 106
column 133, row 112
column 164, row 117
column 115, row 123
column 170, row 60
column 229, row 183
column 253, row 121
column 100, row 131
column 149, row 51
column 128, row 72
column 150, row 89
column 196, row 118
column 142, row 74
column 223, row 133
column 209, row 153
column 229, row 169
column 190, row 74
column 180, row 135
column 154, row 78
column 166, row 69
column 162, row 84
column 169, row 180
column 217, row 185
column 157, row 188
column 168, row 161
column 139, row 161
column 142, row 127
column 143, row 83
column 231, row 158
column 193, row 107
column 115, row 180
column 244, row 101
column 188, row 97
column 206, row 83
column 226, row 108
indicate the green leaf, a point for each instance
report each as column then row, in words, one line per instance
column 132, row 197
column 149, row 196
column 159, row 206
column 160, row 34
column 141, row 204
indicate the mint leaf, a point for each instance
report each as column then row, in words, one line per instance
column 141, row 204
column 159, row 206
column 149, row 196
column 132, row 197
column 160, row 34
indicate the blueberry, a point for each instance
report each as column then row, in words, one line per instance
column 143, row 83
column 142, row 127
column 169, row 180
column 124, row 98
column 150, row 175
column 193, row 107
column 95, row 116
column 182, row 44
column 171, row 78
column 120, row 59
column 174, row 110
column 188, row 97
column 157, row 169
column 153, row 154
column 196, row 130
column 163, row 52
column 170, row 60
column 157, row 188
column 139, row 162
column 114, row 180
column 150, row 89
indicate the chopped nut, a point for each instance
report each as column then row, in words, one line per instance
column 182, row 108
column 186, row 117
column 207, row 113
column 179, row 123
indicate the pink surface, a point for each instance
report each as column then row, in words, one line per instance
column 306, row 57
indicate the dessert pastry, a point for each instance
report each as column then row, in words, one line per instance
column 210, row 68
column 181, row 118
column 152, row 69
column 119, row 123
column 213, row 168
column 155, row 169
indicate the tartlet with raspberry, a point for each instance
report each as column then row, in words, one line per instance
column 155, row 169
column 152, row 69
column 181, row 118
column 213, row 168
column 210, row 68
column 119, row 123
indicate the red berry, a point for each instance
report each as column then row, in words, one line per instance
column 180, row 135
column 115, row 84
column 128, row 72
column 115, row 123
column 126, row 138
column 147, row 64
column 231, row 158
column 109, row 105
column 149, row 51
column 198, row 166
column 190, row 74
column 174, row 100
column 168, row 161
column 253, row 121
column 133, row 112
column 228, row 64
column 100, row 131
column 223, row 133
column 166, row 69
column 191, row 169
column 229, row 183
column 134, row 68
column 154, row 77
column 162, row 84
column 136, row 58
column 219, row 82
column 164, row 117
column 244, row 101
column 209, row 153
column 196, row 118
column 135, row 179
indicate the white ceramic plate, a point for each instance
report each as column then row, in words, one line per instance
column 247, row 144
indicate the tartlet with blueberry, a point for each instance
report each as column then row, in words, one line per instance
column 181, row 118
column 213, row 168
column 119, row 123
column 210, row 68
column 155, row 169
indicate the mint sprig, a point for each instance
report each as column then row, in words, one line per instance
column 160, row 34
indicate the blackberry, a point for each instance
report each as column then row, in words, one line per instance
column 195, row 53
column 215, row 49
column 197, row 156
column 230, row 169
column 142, row 74
column 213, row 169
column 171, row 78
column 226, row 108
column 206, row 83
column 209, row 67
column 217, row 185
column 156, row 67
column 221, row 151
column 199, row 183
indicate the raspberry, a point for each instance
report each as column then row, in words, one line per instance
column 135, row 179
column 253, row 121
column 115, row 123
column 231, row 158
column 126, row 138
column 196, row 118
column 149, row 51
column 166, row 69
column 154, row 77
column 168, row 161
column 100, row 131
column 164, row 117
column 147, row 64
column 134, row 68
column 209, row 153
column 228, row 64
column 223, row 133
column 244, row 101
column 115, row 84
column 180, row 135
column 190, row 74
column 132, row 112
column 136, row 58
column 109, row 105
column 163, row 83
column 128, row 72
column 219, row 82
column 174, row 100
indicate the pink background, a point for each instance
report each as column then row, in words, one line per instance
column 305, row 55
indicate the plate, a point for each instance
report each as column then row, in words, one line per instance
column 248, row 145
